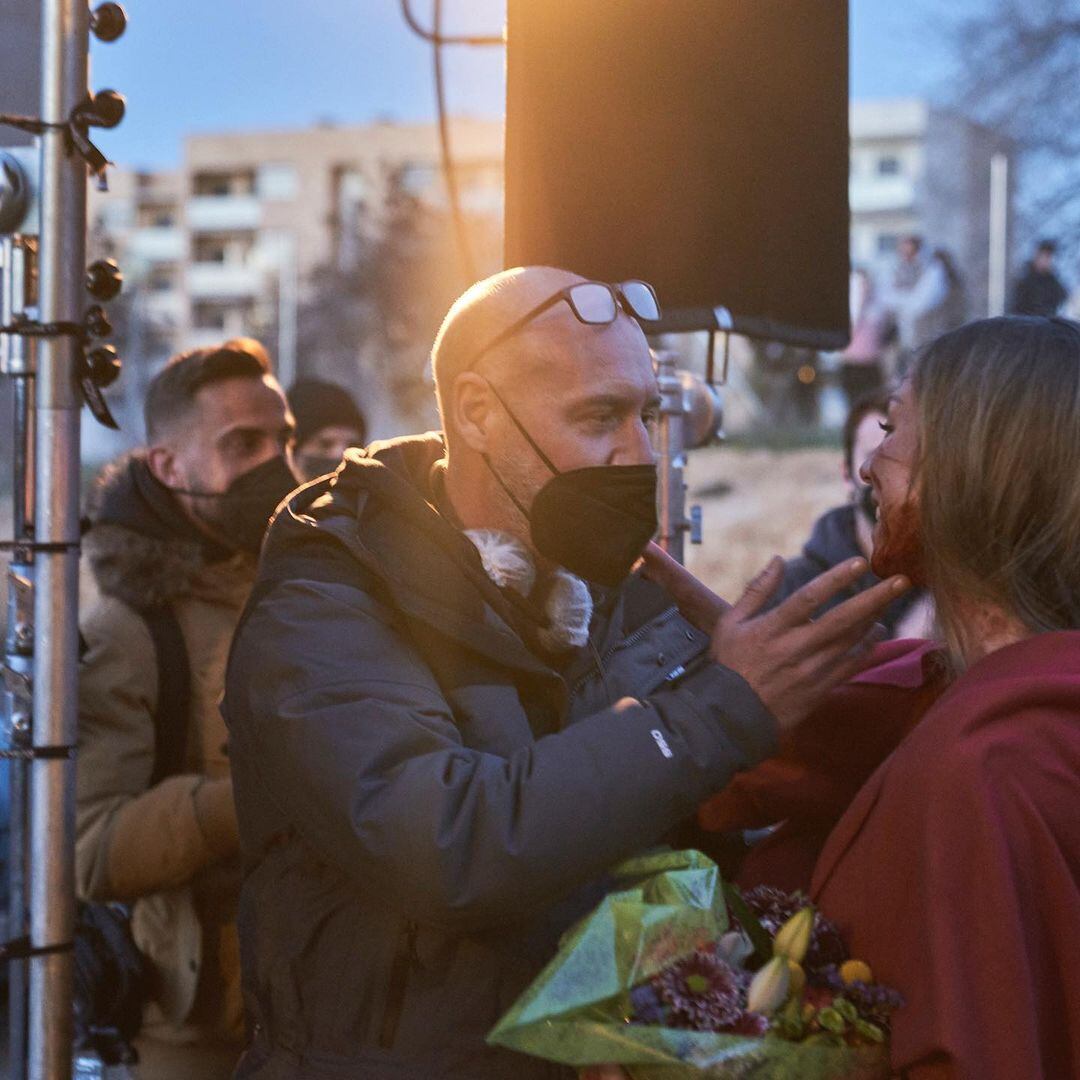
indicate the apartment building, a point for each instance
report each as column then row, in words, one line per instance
column 227, row 244
column 920, row 169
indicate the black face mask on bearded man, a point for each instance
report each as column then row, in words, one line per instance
column 243, row 510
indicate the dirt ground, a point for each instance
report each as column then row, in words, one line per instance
column 767, row 505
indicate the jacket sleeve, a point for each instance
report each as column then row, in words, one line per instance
column 133, row 839
column 336, row 718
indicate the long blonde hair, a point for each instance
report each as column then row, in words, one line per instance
column 999, row 471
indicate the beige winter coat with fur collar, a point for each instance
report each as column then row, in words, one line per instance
column 170, row 848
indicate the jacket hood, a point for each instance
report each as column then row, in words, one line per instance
column 380, row 506
column 833, row 538
column 142, row 548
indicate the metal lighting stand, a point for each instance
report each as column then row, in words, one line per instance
column 18, row 273
column 691, row 416
column 45, row 347
column 65, row 49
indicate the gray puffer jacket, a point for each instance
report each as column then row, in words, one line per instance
column 427, row 803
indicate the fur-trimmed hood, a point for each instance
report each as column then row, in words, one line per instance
column 142, row 549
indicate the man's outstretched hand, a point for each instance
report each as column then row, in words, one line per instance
column 790, row 661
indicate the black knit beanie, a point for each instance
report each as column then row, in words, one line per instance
column 317, row 404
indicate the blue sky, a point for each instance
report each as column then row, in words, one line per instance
column 208, row 65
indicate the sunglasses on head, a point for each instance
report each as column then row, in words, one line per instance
column 594, row 303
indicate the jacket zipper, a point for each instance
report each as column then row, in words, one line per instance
column 625, row 643
column 404, row 957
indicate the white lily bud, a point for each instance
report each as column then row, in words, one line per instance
column 770, row 986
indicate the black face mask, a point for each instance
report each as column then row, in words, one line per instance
column 244, row 509
column 594, row 522
column 314, row 465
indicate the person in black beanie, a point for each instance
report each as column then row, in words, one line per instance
column 328, row 422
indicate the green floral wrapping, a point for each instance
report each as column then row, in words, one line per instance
column 578, row 1011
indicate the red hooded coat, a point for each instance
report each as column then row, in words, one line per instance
column 955, row 871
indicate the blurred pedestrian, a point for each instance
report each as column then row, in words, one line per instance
column 328, row 422
column 176, row 529
column 861, row 371
column 952, row 312
column 1038, row 290
column 915, row 293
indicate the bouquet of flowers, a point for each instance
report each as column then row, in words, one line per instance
column 679, row 976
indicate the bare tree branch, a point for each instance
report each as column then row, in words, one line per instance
column 1018, row 68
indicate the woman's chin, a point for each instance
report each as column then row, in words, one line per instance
column 897, row 551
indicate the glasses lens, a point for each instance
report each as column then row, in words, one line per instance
column 593, row 302
column 641, row 299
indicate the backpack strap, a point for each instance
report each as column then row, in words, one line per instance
column 174, row 691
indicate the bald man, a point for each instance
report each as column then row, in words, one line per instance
column 453, row 703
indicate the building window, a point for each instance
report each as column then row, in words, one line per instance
column 209, row 317
column 162, row 279
column 886, row 243
column 223, row 184
column 350, row 192
column 157, row 216
column 888, row 166
column 276, row 181
column 210, row 249
column 417, row 179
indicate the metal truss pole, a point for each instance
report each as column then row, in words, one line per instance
column 18, row 273
column 65, row 47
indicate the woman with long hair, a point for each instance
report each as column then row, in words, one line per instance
column 933, row 802
column 956, row 870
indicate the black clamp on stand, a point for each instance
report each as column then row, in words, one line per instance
column 99, row 366
column 105, row 109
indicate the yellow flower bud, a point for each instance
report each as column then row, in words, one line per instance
column 797, row 977
column 793, row 938
column 769, row 988
column 856, row 971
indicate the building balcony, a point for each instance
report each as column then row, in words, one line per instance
column 223, row 281
column 223, row 213
column 154, row 244
column 881, row 194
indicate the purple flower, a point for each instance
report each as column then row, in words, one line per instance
column 773, row 908
column 701, row 993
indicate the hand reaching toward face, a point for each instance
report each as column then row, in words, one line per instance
column 789, row 659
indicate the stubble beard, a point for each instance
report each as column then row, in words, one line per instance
column 509, row 517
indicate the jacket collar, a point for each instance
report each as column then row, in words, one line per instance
column 379, row 507
column 144, row 551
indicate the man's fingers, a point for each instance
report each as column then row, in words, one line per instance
column 758, row 592
column 854, row 661
column 852, row 617
column 842, row 650
column 696, row 601
column 798, row 607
